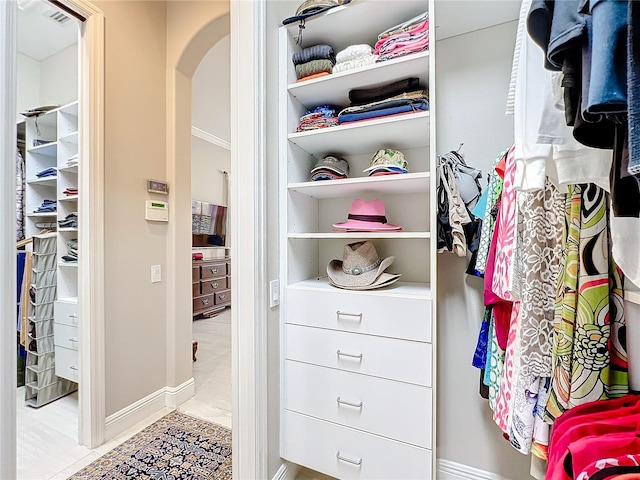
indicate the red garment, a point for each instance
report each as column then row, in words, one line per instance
column 590, row 454
column 621, row 421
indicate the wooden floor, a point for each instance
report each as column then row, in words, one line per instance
column 48, row 436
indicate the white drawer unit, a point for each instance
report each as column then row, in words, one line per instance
column 361, row 312
column 67, row 363
column 66, row 313
column 396, row 410
column 390, row 358
column 65, row 336
column 343, row 452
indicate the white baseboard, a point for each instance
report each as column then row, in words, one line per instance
column 448, row 470
column 145, row 407
column 178, row 395
column 287, row 471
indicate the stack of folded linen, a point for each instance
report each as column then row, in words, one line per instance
column 409, row 37
column 313, row 62
column 70, row 221
column 320, row 117
column 47, row 206
column 354, row 56
column 403, row 96
column 72, row 251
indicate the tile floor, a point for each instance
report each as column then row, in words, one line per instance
column 47, row 437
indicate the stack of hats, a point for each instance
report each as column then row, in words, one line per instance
column 387, row 161
column 331, row 167
column 354, row 56
column 361, row 268
column 408, row 37
column 309, row 8
column 314, row 62
column 320, row 117
column 366, row 216
column 402, row 96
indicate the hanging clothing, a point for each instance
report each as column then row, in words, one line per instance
column 20, row 197
column 589, row 354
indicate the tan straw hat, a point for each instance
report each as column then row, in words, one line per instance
column 361, row 268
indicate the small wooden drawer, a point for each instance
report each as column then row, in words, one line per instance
column 213, row 270
column 195, row 274
column 195, row 289
column 223, row 297
column 203, row 303
column 213, row 285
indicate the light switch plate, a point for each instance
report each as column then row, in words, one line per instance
column 156, row 274
column 274, row 293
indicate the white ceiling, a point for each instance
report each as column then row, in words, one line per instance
column 38, row 35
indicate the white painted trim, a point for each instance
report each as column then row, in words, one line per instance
column 178, row 395
column 448, row 470
column 92, row 409
column 138, row 411
column 208, row 137
column 8, row 289
column 249, row 303
column 287, row 471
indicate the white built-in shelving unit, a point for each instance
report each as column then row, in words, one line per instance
column 357, row 367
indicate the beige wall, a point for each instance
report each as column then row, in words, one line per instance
column 135, row 53
column 207, row 160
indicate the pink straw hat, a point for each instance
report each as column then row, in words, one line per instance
column 367, row 216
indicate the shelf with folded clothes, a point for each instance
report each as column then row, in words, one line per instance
column 48, row 181
column 410, row 130
column 42, row 214
column 418, row 290
column 69, row 169
column 334, row 89
column 67, row 229
column 355, row 187
column 70, row 198
column 49, row 148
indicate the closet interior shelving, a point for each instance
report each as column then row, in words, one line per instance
column 357, row 416
column 58, row 320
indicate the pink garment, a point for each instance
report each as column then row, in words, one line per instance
column 506, row 233
column 501, row 412
column 404, row 36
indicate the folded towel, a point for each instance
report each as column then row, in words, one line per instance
column 353, row 52
column 355, row 63
column 314, row 66
column 316, row 52
column 359, row 96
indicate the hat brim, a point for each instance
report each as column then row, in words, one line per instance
column 386, row 168
column 328, row 167
column 339, row 277
column 362, row 226
column 382, row 281
column 302, row 16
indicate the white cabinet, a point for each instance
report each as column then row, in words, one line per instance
column 357, row 367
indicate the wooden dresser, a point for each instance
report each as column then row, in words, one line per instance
column 211, row 286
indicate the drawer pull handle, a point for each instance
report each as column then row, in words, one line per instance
column 348, row 460
column 344, row 402
column 73, row 339
column 205, row 301
column 223, row 296
column 346, row 314
column 73, row 367
column 214, row 270
column 214, row 285
column 352, row 355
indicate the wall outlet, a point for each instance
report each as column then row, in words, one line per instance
column 156, row 274
column 274, row 293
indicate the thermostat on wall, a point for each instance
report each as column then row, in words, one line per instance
column 157, row 186
column 157, row 211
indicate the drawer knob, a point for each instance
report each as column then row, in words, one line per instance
column 73, row 339
column 73, row 367
column 344, row 402
column 214, row 285
column 73, row 315
column 346, row 314
column 223, row 296
column 205, row 301
column 214, row 270
column 350, row 355
column 348, row 460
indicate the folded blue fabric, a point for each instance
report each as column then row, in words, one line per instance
column 354, row 117
column 47, row 172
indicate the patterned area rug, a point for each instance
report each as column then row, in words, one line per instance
column 176, row 447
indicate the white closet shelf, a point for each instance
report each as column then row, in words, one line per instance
column 361, row 235
column 70, row 198
column 70, row 137
column 403, row 289
column 68, row 300
column 43, row 215
column 355, row 187
column 47, row 181
column 49, row 149
column 334, row 89
column 343, row 18
column 632, row 296
column 68, row 264
column 67, row 229
column 70, row 168
column 409, row 130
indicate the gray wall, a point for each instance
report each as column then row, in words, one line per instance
column 472, row 80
